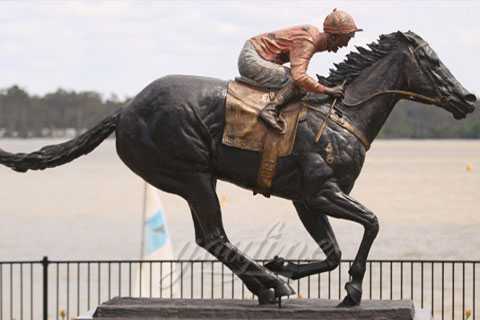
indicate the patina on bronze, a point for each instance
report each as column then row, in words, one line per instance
column 244, row 130
column 170, row 134
column 242, row 127
column 262, row 57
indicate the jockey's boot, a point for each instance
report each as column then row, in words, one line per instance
column 270, row 114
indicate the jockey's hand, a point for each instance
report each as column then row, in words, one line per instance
column 336, row 91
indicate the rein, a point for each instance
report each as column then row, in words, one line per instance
column 406, row 94
column 351, row 128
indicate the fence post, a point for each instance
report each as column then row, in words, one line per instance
column 45, row 263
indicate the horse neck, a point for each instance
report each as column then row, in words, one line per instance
column 386, row 74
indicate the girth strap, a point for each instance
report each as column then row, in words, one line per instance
column 342, row 122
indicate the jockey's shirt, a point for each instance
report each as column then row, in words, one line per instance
column 295, row 45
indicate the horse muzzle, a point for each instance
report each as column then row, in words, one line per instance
column 461, row 107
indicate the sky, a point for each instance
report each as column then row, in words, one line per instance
column 121, row 46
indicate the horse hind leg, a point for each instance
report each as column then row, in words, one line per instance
column 319, row 227
column 199, row 191
column 211, row 236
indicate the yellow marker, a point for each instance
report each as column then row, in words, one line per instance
column 468, row 313
column 469, row 167
column 223, row 200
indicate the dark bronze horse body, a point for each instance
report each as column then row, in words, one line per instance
column 170, row 135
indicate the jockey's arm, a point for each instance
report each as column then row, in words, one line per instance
column 300, row 56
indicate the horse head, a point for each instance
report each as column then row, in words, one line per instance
column 427, row 75
column 400, row 65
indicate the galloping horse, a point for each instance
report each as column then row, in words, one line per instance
column 170, row 134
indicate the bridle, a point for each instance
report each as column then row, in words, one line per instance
column 439, row 100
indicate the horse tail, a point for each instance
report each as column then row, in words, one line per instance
column 56, row 155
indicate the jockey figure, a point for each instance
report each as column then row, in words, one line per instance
column 262, row 57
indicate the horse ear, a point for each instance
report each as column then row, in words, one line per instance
column 406, row 36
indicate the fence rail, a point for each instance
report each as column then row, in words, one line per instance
column 50, row 289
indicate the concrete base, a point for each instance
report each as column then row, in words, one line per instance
column 142, row 308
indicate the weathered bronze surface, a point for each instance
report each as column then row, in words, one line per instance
column 244, row 129
column 171, row 133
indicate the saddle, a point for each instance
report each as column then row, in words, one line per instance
column 244, row 129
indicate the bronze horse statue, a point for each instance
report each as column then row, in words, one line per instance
column 170, row 135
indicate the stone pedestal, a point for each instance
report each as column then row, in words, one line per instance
column 142, row 308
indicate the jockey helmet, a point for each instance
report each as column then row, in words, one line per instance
column 339, row 22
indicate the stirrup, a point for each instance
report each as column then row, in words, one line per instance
column 274, row 121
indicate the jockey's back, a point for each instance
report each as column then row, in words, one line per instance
column 276, row 46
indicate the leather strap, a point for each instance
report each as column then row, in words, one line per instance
column 273, row 144
column 342, row 122
column 405, row 94
column 325, row 121
column 268, row 164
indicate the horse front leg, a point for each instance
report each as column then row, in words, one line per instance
column 335, row 203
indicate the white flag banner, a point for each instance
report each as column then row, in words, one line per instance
column 155, row 279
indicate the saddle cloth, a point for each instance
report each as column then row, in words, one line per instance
column 244, row 129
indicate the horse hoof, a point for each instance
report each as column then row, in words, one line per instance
column 354, row 295
column 283, row 290
column 271, row 295
column 267, row 297
column 346, row 303
column 276, row 264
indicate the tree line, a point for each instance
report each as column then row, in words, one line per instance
column 419, row 121
column 56, row 114
column 67, row 112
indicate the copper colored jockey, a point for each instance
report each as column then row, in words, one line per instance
column 262, row 57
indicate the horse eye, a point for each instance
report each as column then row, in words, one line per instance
column 434, row 61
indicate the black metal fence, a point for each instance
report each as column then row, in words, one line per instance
column 65, row 289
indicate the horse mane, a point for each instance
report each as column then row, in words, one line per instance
column 355, row 62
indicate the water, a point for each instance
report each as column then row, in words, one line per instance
column 425, row 194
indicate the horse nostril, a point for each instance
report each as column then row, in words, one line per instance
column 470, row 97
